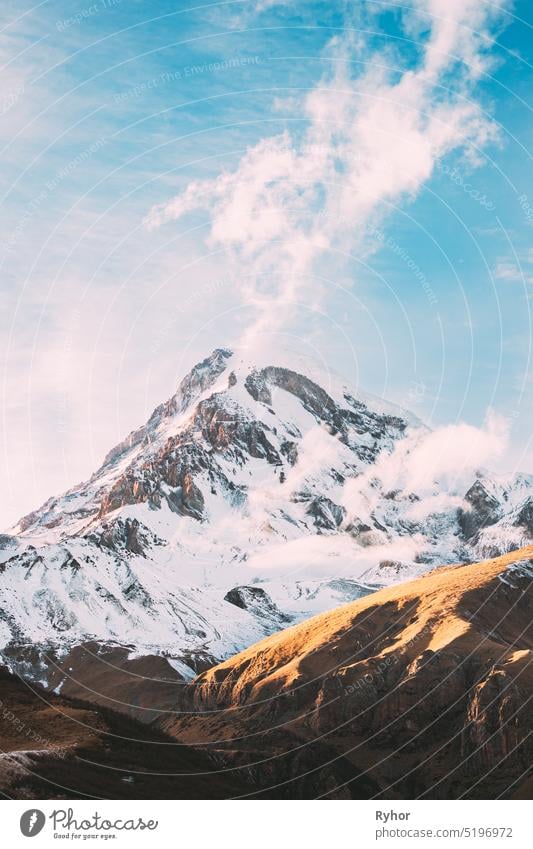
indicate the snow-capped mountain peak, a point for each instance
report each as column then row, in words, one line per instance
column 256, row 495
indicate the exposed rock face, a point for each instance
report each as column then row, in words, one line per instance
column 497, row 720
column 227, row 429
column 484, row 510
column 423, row 689
column 341, row 420
column 165, row 478
column 327, row 515
column 127, row 535
column 247, row 597
column 7, row 541
column 313, row 397
column 525, row 516
column 258, row 602
column 223, row 426
column 200, row 378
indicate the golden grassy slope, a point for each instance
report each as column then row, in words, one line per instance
column 434, row 605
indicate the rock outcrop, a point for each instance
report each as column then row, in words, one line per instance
column 483, row 510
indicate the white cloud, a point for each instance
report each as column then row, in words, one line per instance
column 514, row 271
column 454, row 451
column 370, row 142
column 317, row 450
column 435, row 464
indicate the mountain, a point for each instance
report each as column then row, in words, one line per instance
column 257, row 495
column 420, row 690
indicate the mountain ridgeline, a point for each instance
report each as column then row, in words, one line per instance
column 252, row 499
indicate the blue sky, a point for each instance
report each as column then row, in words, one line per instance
column 136, row 137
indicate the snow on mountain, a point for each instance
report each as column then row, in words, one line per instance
column 256, row 496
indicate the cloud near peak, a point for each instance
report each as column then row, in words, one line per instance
column 438, row 464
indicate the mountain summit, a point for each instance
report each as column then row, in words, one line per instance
column 254, row 497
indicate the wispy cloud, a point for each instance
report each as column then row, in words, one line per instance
column 437, row 464
column 370, row 142
column 515, row 270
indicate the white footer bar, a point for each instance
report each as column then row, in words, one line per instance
column 267, row 824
